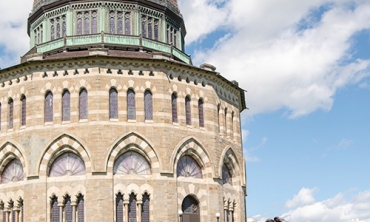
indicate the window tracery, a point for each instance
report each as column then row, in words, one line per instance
column 171, row 34
column 38, row 35
column 67, row 164
column 13, row 172
column 226, row 175
column 58, row 27
column 87, row 22
column 149, row 27
column 188, row 167
column 131, row 163
column 120, row 22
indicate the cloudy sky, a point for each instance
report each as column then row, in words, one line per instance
column 306, row 66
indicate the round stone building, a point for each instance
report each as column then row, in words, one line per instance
column 106, row 119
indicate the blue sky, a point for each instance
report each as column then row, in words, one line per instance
column 306, row 66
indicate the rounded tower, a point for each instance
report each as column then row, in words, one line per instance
column 106, row 119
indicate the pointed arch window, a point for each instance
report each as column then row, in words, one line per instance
column 66, row 106
column 226, row 121
column 83, row 101
column 113, row 103
column 49, row 107
column 94, row 22
column 148, row 105
column 131, row 113
column 24, row 110
column 11, row 112
column 174, row 107
column 119, row 207
column 218, row 118
column 79, row 23
column 68, row 208
column 188, row 167
column 188, row 110
column 200, row 113
column 190, row 207
column 145, row 216
column 120, row 23
column 132, row 207
column 87, row 22
column 112, row 25
column 226, row 175
column 131, row 163
column 54, row 211
column 13, row 172
column 67, row 164
column 80, row 208
column 127, row 23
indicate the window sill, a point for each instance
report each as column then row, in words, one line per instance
column 85, row 120
column 149, row 121
column 113, row 120
column 175, row 124
column 48, row 123
column 23, row 127
column 66, row 122
column 131, row 120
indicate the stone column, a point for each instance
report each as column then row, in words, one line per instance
column 60, row 212
column 7, row 213
column 139, row 204
column 16, row 214
column 74, row 204
column 125, row 204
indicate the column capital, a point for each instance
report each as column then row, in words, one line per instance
column 73, row 203
column 60, row 205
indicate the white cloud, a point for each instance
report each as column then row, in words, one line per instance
column 304, row 197
column 281, row 64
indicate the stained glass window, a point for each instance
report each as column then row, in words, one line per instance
column 132, row 208
column 49, row 107
column 68, row 209
column 64, row 25
column 79, row 23
column 174, row 107
column 58, row 28
column 143, row 26
column 131, row 112
column 113, row 104
column 52, row 31
column 150, row 32
column 112, row 25
column 156, row 30
column 13, row 172
column 218, row 118
column 127, row 24
column 145, row 217
column 24, row 110
column 13, row 215
column 87, row 23
column 67, row 164
column 66, row 98
column 54, row 210
column 81, row 208
column 201, row 113
column 148, row 105
column 94, row 22
column 131, row 163
column 120, row 23
column 175, row 38
column 226, row 175
column 11, row 113
column 188, row 167
column 188, row 110
column 119, row 207
column 83, row 104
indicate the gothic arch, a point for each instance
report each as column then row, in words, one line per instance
column 10, row 151
column 195, row 192
column 190, row 146
column 60, row 145
column 136, row 142
column 229, row 158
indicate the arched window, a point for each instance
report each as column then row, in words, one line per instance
column 201, row 113
column 127, row 23
column 131, row 163
column 67, row 164
column 190, row 209
column 13, row 172
column 226, row 175
column 67, row 208
column 119, row 207
column 54, row 211
column 80, row 208
column 112, row 25
column 87, row 22
column 188, row 167
column 83, row 104
column 145, row 216
column 49, row 107
column 66, row 106
column 131, row 113
column 148, row 105
column 174, row 107
column 132, row 207
column 218, row 118
column 24, row 110
column 225, row 121
column 188, row 110
column 113, row 104
column 11, row 112
column 232, row 124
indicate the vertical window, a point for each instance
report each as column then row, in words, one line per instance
column 119, row 207
column 58, row 27
column 150, row 31
column 87, row 23
column 112, row 25
column 226, row 121
column 174, row 107
column 83, row 101
column 188, row 110
column 143, row 26
column 66, row 107
column 148, row 105
column 79, row 23
column 131, row 113
column 132, row 208
column 119, row 23
column 52, row 31
column 113, row 104
column 175, row 38
column 68, row 208
column 201, row 113
column 145, row 209
column 94, row 22
column 54, row 210
column 156, row 30
column 11, row 112
column 49, row 107
column 80, row 208
column 232, row 124
column 24, row 110
column 64, row 26
column 127, row 24
column 218, row 117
